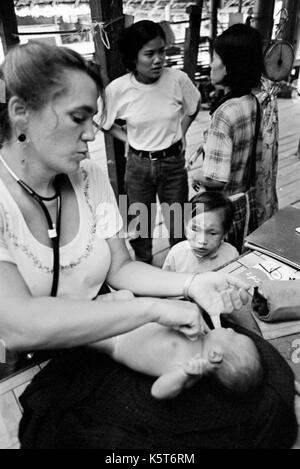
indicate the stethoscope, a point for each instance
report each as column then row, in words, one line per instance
column 53, row 228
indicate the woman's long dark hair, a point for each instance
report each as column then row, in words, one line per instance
column 240, row 48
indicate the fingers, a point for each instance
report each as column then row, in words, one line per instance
column 216, row 321
column 244, row 295
column 191, row 332
column 227, row 301
column 237, row 282
column 240, row 294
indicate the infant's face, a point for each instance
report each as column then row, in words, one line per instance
column 205, row 233
column 227, row 340
column 222, row 335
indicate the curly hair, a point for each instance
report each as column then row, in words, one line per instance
column 37, row 72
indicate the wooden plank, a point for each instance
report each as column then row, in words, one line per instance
column 287, row 173
column 10, row 415
column 289, row 193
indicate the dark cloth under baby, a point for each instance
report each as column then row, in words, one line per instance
column 84, row 400
column 277, row 300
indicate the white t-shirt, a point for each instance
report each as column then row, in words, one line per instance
column 153, row 113
column 84, row 261
column 181, row 258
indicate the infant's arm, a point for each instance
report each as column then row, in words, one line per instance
column 170, row 384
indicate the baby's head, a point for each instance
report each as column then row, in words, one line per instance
column 233, row 360
column 210, row 218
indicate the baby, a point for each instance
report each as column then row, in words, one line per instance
column 210, row 219
column 229, row 358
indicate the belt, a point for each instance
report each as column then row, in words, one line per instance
column 173, row 150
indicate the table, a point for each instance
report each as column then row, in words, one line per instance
column 255, row 267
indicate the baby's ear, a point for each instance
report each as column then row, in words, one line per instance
column 215, row 355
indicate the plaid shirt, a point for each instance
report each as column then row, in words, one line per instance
column 229, row 143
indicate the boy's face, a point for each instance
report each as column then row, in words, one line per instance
column 205, row 233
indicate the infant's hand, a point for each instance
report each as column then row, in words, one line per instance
column 116, row 296
column 195, row 366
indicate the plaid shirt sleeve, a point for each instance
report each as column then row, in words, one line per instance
column 218, row 150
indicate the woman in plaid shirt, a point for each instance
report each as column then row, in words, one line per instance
column 236, row 67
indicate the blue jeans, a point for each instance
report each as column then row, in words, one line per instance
column 166, row 178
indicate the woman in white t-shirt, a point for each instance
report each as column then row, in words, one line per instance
column 158, row 105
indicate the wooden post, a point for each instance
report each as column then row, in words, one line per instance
column 110, row 15
column 290, row 31
column 191, row 45
column 8, row 25
column 214, row 6
column 263, row 19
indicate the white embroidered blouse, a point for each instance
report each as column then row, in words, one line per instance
column 85, row 260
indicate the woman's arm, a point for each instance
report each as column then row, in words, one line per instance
column 118, row 132
column 141, row 278
column 28, row 323
column 187, row 120
column 213, row 291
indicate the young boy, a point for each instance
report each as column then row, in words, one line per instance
column 229, row 358
column 210, row 219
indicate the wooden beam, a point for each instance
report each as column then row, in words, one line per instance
column 290, row 31
column 8, row 25
column 214, row 6
column 110, row 16
column 263, row 19
column 191, row 45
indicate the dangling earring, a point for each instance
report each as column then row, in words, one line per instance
column 22, row 138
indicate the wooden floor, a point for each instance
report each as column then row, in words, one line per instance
column 288, row 186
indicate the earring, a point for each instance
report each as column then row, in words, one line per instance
column 22, row 138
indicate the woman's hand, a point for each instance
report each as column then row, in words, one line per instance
column 182, row 316
column 218, row 293
column 116, row 296
column 196, row 179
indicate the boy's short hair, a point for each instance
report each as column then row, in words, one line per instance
column 212, row 201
